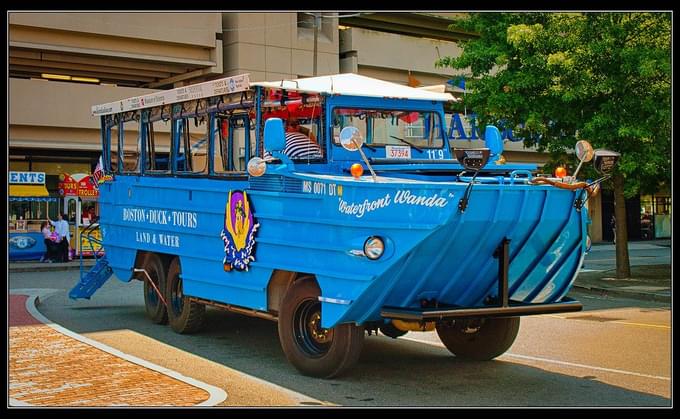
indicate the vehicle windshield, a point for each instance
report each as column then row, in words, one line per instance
column 381, row 127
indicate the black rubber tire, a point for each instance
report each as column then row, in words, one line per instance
column 389, row 330
column 300, row 311
column 493, row 337
column 184, row 316
column 155, row 309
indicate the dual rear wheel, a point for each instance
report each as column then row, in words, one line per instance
column 183, row 315
column 155, row 308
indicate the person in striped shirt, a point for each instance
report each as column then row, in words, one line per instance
column 298, row 144
column 300, row 141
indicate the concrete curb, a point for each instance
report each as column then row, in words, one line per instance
column 626, row 293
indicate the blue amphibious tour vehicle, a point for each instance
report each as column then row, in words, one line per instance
column 380, row 225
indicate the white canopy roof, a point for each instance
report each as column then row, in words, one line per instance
column 355, row 85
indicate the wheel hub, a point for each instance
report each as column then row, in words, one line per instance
column 309, row 335
column 318, row 333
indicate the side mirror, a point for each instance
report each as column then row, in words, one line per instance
column 274, row 135
column 584, row 153
column 257, row 167
column 605, row 160
column 351, row 138
column 494, row 141
column 472, row 158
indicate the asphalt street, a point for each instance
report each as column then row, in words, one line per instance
column 615, row 353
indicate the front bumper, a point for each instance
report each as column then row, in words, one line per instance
column 512, row 309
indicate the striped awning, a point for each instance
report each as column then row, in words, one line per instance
column 27, row 191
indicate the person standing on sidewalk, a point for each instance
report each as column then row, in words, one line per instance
column 52, row 248
column 612, row 222
column 62, row 229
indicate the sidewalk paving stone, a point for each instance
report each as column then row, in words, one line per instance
column 49, row 368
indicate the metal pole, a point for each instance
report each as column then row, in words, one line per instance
column 317, row 21
column 503, row 254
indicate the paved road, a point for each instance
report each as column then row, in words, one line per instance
column 616, row 353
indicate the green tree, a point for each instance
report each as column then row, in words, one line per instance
column 556, row 78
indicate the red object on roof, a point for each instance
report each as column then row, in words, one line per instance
column 410, row 118
column 296, row 110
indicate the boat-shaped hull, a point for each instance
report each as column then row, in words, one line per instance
column 435, row 254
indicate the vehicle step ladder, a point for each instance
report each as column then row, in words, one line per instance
column 92, row 280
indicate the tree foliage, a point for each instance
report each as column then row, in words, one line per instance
column 556, row 78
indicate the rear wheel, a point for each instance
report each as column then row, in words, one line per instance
column 184, row 316
column 155, row 309
column 478, row 339
column 313, row 350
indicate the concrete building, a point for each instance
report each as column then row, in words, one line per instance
column 60, row 64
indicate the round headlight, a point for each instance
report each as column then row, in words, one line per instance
column 374, row 247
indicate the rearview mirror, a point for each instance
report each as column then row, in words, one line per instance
column 257, row 166
column 584, row 151
column 351, row 138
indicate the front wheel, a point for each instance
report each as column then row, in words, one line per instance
column 479, row 339
column 313, row 350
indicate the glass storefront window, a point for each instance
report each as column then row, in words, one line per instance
column 26, row 214
column 662, row 217
column 71, row 212
column 28, row 210
column 663, row 205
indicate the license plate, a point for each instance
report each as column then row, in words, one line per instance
column 398, row 151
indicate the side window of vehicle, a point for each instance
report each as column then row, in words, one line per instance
column 193, row 145
column 234, row 143
column 349, row 119
column 112, row 137
column 157, row 141
column 127, row 154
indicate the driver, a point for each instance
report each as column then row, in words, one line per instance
column 300, row 141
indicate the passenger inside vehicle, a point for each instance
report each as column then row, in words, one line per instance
column 300, row 141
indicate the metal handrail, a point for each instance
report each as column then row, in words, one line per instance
column 87, row 232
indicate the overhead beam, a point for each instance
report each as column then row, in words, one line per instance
column 411, row 24
column 33, row 71
column 117, row 54
column 47, row 66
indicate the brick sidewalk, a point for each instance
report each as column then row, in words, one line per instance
column 49, row 368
